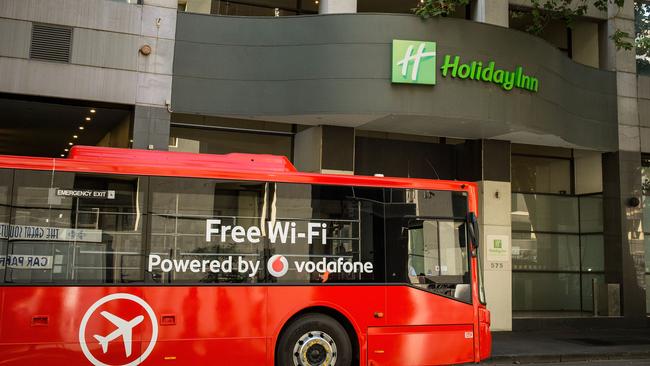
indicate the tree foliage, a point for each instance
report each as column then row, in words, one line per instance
column 438, row 8
column 642, row 26
column 567, row 11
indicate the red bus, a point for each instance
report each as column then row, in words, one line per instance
column 129, row 257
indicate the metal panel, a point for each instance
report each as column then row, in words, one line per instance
column 95, row 14
column 50, row 43
column 14, row 38
column 335, row 69
column 105, row 49
column 67, row 81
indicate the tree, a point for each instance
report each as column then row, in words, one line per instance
column 642, row 26
column 544, row 12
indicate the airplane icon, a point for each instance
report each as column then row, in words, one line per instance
column 124, row 330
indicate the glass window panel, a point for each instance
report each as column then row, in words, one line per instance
column 646, row 240
column 427, row 252
column 540, row 175
column 536, row 212
column 179, row 210
column 545, row 252
column 647, row 293
column 6, row 177
column 354, row 230
column 75, row 228
column 223, row 142
column 545, row 291
column 591, row 214
column 593, row 257
column 646, row 213
column 588, row 290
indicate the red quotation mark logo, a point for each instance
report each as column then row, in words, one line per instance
column 277, row 265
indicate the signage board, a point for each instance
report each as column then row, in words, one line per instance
column 415, row 62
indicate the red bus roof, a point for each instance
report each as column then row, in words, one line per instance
column 229, row 166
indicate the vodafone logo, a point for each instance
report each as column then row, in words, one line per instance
column 107, row 330
column 277, row 265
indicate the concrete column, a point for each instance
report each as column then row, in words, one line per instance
column 325, row 149
column 490, row 11
column 154, row 87
column 337, row 6
column 624, row 247
column 150, row 128
column 488, row 163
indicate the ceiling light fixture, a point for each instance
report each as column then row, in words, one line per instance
column 74, row 136
column 92, row 111
column 87, row 118
column 66, row 150
column 70, row 143
column 81, row 127
column 62, row 155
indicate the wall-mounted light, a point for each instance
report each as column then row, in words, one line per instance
column 633, row 202
column 145, row 50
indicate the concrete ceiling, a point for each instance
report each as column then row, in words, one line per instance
column 43, row 127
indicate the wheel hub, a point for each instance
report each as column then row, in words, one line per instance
column 314, row 349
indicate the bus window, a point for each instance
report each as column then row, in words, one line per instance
column 348, row 246
column 179, row 212
column 438, row 257
column 6, row 176
column 74, row 228
column 427, row 244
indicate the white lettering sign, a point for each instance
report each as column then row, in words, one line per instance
column 498, row 248
column 278, row 232
column 86, row 193
column 277, row 265
column 28, row 232
column 26, row 261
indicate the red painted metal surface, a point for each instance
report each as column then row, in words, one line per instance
column 228, row 325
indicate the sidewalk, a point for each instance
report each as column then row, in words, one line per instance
column 569, row 345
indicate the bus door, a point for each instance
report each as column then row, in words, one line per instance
column 428, row 264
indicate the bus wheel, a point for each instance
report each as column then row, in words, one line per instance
column 314, row 340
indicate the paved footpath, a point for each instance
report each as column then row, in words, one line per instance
column 567, row 346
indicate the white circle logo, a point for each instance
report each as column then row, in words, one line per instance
column 277, row 265
column 124, row 330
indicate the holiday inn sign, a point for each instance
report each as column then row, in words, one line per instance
column 414, row 62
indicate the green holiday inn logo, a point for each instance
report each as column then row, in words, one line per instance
column 414, row 62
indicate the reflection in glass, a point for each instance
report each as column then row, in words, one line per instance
column 545, row 252
column 591, row 214
column 540, row 175
column 91, row 238
column 179, row 209
column 592, row 252
column 546, row 291
column 536, row 212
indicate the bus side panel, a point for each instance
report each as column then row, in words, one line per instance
column 449, row 330
column 410, row 306
column 42, row 324
column 223, row 325
column 358, row 303
column 420, row 345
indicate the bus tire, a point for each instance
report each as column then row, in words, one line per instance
column 314, row 339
